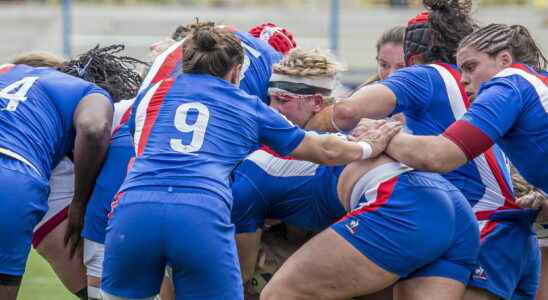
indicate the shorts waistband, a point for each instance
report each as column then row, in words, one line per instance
column 373, row 178
column 18, row 157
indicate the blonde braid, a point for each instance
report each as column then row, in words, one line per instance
column 314, row 62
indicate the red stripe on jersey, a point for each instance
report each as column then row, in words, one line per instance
column 523, row 67
column 5, row 68
column 123, row 120
column 497, row 172
column 269, row 150
column 487, row 229
column 457, row 77
column 40, row 234
column 152, row 112
column 169, row 64
column 384, row 191
column 470, row 139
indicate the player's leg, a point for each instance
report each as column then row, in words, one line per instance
column 94, row 254
column 543, row 289
column 23, row 202
column 327, row 267
column 71, row 272
column 248, row 245
column 429, row 288
column 134, row 262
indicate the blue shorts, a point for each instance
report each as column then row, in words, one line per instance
column 23, row 203
column 509, row 261
column 189, row 232
column 419, row 225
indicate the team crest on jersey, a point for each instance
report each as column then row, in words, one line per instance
column 479, row 273
column 352, row 226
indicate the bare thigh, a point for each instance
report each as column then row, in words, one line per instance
column 327, row 267
column 429, row 288
column 8, row 292
column 248, row 249
column 71, row 272
column 473, row 293
column 543, row 289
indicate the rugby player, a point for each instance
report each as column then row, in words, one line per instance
column 500, row 66
column 194, row 137
column 167, row 62
column 46, row 115
column 430, row 95
column 48, row 235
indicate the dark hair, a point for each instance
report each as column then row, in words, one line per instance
column 211, row 51
column 494, row 38
column 393, row 35
column 449, row 21
column 183, row 31
column 107, row 69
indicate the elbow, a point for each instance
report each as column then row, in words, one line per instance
column 94, row 130
column 344, row 116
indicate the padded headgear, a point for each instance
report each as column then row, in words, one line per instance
column 279, row 38
column 418, row 37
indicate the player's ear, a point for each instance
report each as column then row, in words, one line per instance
column 504, row 59
column 233, row 75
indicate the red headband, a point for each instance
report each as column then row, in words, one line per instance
column 419, row 19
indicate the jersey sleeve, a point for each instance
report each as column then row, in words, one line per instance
column 413, row 88
column 276, row 131
column 491, row 115
column 249, row 208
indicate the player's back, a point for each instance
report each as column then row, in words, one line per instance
column 36, row 117
column 432, row 98
column 256, row 70
column 526, row 141
column 195, row 128
column 285, row 188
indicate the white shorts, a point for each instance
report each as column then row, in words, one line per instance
column 94, row 254
column 61, row 191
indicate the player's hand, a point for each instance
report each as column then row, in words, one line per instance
column 74, row 228
column 378, row 133
column 536, row 200
column 366, row 125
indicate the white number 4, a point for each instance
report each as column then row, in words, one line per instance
column 198, row 129
column 17, row 92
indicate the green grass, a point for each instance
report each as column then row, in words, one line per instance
column 41, row 283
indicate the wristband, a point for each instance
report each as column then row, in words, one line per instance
column 367, row 150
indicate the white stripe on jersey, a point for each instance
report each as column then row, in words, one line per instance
column 492, row 197
column 120, row 109
column 157, row 64
column 540, row 87
column 279, row 167
column 453, row 91
column 141, row 114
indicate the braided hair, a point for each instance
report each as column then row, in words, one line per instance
column 435, row 35
column 494, row 38
column 104, row 67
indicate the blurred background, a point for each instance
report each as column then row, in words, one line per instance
column 349, row 28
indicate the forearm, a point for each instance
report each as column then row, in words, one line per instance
column 328, row 150
column 430, row 153
column 89, row 153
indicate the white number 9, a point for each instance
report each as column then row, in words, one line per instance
column 198, row 129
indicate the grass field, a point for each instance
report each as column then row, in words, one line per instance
column 40, row 282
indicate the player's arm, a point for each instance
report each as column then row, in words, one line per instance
column 92, row 120
column 333, row 150
column 374, row 101
column 431, row 153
